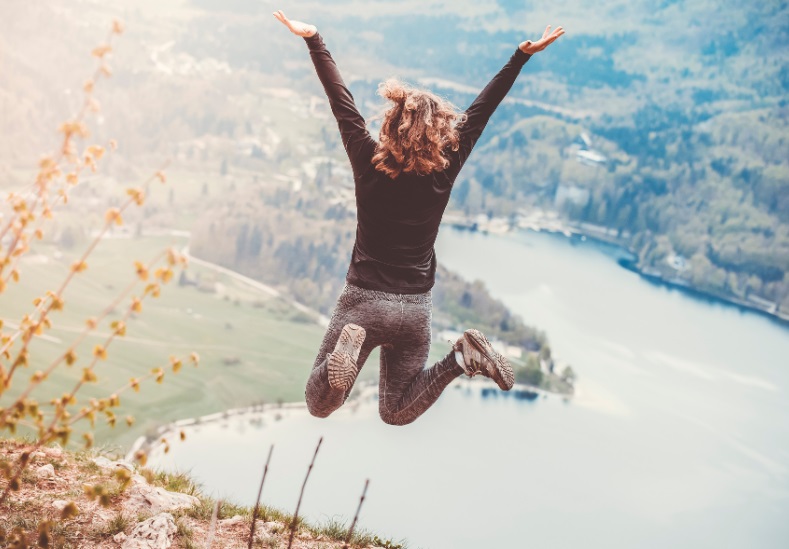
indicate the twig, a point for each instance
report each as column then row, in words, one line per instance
column 304, row 485
column 212, row 528
column 257, row 502
column 356, row 516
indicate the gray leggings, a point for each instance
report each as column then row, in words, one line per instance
column 400, row 325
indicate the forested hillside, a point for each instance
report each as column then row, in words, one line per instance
column 664, row 120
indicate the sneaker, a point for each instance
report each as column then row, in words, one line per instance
column 341, row 363
column 480, row 357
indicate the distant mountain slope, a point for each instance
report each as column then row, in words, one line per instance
column 685, row 102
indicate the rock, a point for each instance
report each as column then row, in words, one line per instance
column 155, row 533
column 105, row 463
column 120, row 537
column 59, row 504
column 102, row 462
column 142, row 497
column 46, row 471
column 55, row 450
column 37, row 455
column 237, row 519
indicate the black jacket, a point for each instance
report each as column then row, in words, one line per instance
column 398, row 219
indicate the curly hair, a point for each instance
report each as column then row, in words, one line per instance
column 416, row 131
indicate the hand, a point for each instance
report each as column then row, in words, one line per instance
column 548, row 37
column 296, row 27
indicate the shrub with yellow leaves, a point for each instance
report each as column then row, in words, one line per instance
column 23, row 219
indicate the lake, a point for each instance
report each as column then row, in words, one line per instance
column 678, row 436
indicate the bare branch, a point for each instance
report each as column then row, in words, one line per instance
column 301, row 495
column 257, row 502
column 356, row 516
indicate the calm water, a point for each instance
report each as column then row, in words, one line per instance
column 678, row 436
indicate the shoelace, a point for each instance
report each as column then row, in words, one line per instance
column 475, row 367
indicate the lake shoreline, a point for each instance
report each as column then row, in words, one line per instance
column 277, row 411
column 554, row 226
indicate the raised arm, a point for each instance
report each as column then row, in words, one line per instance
column 489, row 98
column 355, row 138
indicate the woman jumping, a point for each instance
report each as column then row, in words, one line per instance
column 403, row 182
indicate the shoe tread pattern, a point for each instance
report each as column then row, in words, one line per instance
column 341, row 363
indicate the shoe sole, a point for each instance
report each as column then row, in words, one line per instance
column 498, row 367
column 341, row 363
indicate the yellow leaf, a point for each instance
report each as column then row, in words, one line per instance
column 100, row 352
column 79, row 266
column 101, row 51
column 142, row 271
column 88, row 440
column 120, row 329
column 117, row 27
column 135, row 384
column 69, row 511
column 96, row 151
column 165, row 274
column 113, row 215
column 91, row 323
column 91, row 415
column 70, row 357
column 88, row 375
column 129, row 420
column 21, row 359
column 136, row 305
column 195, row 358
column 88, row 86
column 161, row 176
column 138, row 195
column 57, row 302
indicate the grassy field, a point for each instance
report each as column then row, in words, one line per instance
column 253, row 347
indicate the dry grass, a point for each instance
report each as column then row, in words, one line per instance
column 96, row 525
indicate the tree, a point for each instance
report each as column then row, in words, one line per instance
column 568, row 375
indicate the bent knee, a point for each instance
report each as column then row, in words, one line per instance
column 317, row 411
column 395, row 419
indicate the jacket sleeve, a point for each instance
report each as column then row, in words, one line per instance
column 487, row 101
column 353, row 130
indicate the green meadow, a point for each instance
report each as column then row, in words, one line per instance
column 253, row 347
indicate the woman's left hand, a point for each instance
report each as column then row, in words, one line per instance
column 298, row 28
column 547, row 39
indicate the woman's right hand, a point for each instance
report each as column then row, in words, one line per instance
column 298, row 28
column 548, row 38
